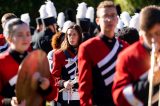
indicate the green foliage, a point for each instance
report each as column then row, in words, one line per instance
column 132, row 5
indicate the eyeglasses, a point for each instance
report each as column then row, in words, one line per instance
column 110, row 16
column 154, row 35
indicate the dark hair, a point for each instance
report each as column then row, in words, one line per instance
column 118, row 8
column 129, row 35
column 84, row 23
column 70, row 15
column 149, row 16
column 65, row 44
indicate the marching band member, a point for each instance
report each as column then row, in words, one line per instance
column 131, row 83
column 96, row 59
column 65, row 67
column 57, row 40
column 18, row 36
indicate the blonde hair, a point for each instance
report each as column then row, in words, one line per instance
column 105, row 4
column 9, row 27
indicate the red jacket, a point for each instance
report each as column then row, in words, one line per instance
column 9, row 64
column 59, row 62
column 8, row 75
column 130, row 86
column 96, row 63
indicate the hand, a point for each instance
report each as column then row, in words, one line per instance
column 38, row 80
column 34, row 83
column 156, row 70
column 156, row 75
column 14, row 101
column 44, row 83
column 68, row 85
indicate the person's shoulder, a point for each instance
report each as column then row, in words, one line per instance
column 59, row 52
column 50, row 54
column 4, row 55
column 91, row 41
column 130, row 50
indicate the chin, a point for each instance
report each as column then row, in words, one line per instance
column 25, row 48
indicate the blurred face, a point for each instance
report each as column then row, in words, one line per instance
column 107, row 19
column 154, row 33
column 21, row 38
column 72, row 37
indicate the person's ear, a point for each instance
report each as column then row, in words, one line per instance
column 97, row 21
column 9, row 39
column 116, row 19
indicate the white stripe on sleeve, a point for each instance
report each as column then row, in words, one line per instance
column 130, row 97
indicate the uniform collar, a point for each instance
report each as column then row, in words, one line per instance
column 108, row 41
column 73, row 50
column 18, row 56
column 146, row 47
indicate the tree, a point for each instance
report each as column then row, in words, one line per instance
column 132, row 5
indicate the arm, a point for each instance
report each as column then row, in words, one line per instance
column 51, row 93
column 85, row 77
column 57, row 68
column 3, row 101
column 55, row 75
column 126, row 92
column 1, row 98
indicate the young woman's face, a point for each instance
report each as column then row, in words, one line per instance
column 72, row 37
column 21, row 38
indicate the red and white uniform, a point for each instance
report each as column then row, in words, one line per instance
column 64, row 71
column 130, row 86
column 9, row 63
column 96, row 64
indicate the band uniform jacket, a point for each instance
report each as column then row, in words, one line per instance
column 63, row 70
column 96, row 64
column 131, row 84
column 9, row 63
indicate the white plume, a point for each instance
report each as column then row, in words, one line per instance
column 90, row 14
column 25, row 18
column 134, row 22
column 42, row 11
column 66, row 25
column 119, row 26
column 81, row 10
column 125, row 17
column 50, row 9
column 60, row 19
